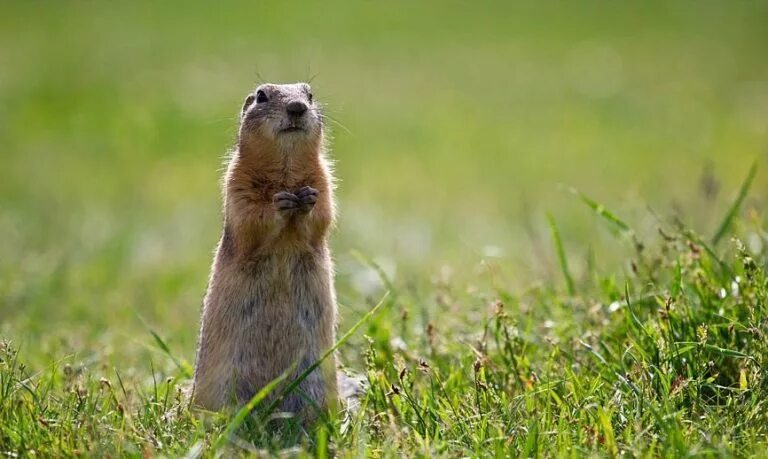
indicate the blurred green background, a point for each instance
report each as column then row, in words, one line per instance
column 456, row 126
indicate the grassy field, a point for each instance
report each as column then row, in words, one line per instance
column 522, row 318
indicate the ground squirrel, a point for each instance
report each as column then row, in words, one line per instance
column 270, row 301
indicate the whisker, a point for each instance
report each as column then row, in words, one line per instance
column 335, row 121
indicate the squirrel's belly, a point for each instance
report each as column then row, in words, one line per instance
column 294, row 288
column 283, row 319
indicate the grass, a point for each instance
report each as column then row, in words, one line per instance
column 625, row 315
column 665, row 360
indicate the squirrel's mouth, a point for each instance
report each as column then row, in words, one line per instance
column 294, row 128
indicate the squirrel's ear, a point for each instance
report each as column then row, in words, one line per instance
column 248, row 102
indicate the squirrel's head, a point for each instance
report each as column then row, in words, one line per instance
column 282, row 114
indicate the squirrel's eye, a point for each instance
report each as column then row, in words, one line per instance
column 261, row 97
column 309, row 96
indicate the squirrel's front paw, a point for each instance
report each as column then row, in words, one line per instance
column 301, row 202
column 286, row 202
column 308, row 197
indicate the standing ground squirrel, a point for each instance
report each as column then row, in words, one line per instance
column 270, row 301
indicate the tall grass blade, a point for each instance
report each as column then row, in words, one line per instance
column 243, row 413
column 365, row 261
column 736, row 206
column 561, row 254
column 603, row 212
column 182, row 366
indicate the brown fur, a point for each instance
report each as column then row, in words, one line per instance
column 270, row 300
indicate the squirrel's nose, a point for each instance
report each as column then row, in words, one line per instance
column 296, row 108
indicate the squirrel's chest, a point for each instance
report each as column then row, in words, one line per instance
column 266, row 186
column 285, row 280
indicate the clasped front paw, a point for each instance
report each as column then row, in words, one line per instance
column 301, row 202
column 308, row 197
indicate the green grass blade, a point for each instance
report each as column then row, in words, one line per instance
column 736, row 206
column 696, row 239
column 243, row 413
column 183, row 367
column 728, row 352
column 603, row 212
column 365, row 261
column 561, row 254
